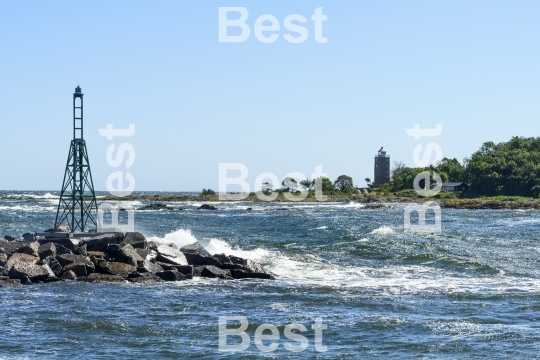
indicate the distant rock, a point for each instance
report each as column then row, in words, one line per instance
column 207, row 207
column 156, row 206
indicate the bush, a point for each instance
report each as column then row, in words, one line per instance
column 208, row 192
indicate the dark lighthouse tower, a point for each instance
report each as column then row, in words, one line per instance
column 77, row 207
column 382, row 167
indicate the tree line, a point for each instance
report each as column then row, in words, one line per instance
column 507, row 168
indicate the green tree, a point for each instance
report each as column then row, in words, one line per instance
column 343, row 182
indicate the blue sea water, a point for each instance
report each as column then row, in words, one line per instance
column 472, row 291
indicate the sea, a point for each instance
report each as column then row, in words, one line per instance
column 375, row 290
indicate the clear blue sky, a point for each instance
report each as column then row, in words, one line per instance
column 472, row 66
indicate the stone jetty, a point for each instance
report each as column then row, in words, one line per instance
column 115, row 257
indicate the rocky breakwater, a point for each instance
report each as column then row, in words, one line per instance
column 115, row 257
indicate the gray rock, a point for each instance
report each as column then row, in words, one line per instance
column 30, row 249
column 146, row 278
column 62, row 241
column 135, row 239
column 81, row 250
column 3, row 259
column 143, row 252
column 169, row 255
column 222, row 258
column 148, row 266
column 61, row 249
column 46, row 250
column 206, row 207
column 100, row 241
column 28, row 237
column 53, row 264
column 128, row 255
column 11, row 247
column 197, row 260
column 242, row 274
column 68, row 275
column 117, row 268
column 18, row 258
column 153, row 245
column 210, row 271
column 10, row 282
column 102, row 278
column 25, row 280
column 195, row 248
column 66, row 259
column 4, row 272
column 171, row 275
column 34, row 272
column 79, row 268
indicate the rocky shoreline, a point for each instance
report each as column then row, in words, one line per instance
column 115, row 257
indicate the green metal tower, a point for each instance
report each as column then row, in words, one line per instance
column 77, row 207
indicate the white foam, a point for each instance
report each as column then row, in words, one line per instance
column 383, row 230
column 179, row 237
column 322, row 228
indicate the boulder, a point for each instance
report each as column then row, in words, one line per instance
column 18, row 258
column 102, row 278
column 243, row 274
column 169, row 255
column 152, row 245
column 135, row 239
column 116, row 268
column 222, row 258
column 79, row 268
column 68, row 275
column 9, row 238
column 30, row 249
column 195, row 248
column 11, row 247
column 10, row 282
column 149, row 267
column 210, row 271
column 128, row 255
column 61, row 249
column 143, row 252
column 207, row 207
column 53, row 264
column 28, row 237
column 68, row 243
column 46, row 250
column 146, row 278
column 100, row 241
column 67, row 259
column 196, row 259
column 171, row 275
column 3, row 259
column 22, row 269
column 60, row 229
column 81, row 250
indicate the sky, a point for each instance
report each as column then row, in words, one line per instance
column 471, row 66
